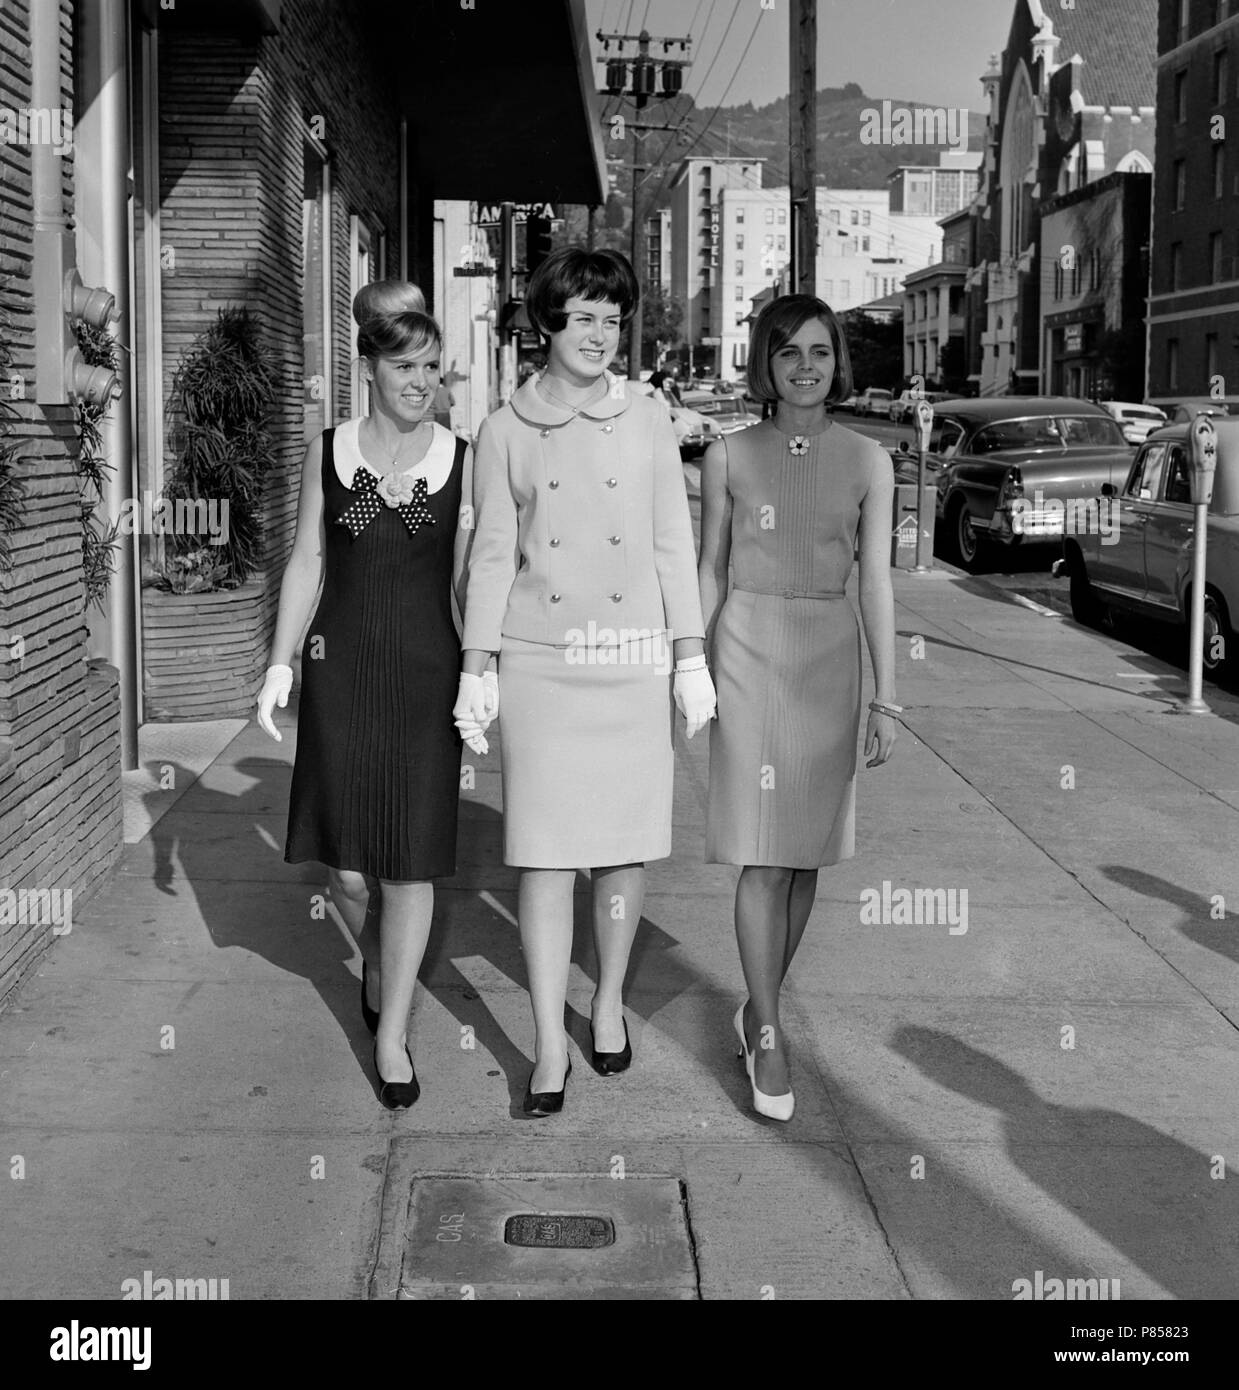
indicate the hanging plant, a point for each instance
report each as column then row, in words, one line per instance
column 11, row 489
column 222, row 395
column 99, row 542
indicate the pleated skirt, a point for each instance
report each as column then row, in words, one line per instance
column 588, row 754
column 783, row 749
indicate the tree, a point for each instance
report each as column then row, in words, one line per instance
column 876, row 350
column 661, row 318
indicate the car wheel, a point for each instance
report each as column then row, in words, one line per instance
column 1086, row 607
column 968, row 543
column 1217, row 636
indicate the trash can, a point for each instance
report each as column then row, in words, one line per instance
column 903, row 524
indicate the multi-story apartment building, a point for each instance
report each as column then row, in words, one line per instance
column 697, row 237
column 1194, row 304
column 933, row 318
column 928, row 190
column 1070, row 102
column 658, row 249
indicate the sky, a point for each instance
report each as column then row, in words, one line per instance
column 917, row 50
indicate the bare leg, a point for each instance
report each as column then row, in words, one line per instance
column 357, row 898
column 544, row 908
column 407, row 909
column 619, row 896
column 762, row 894
column 799, row 907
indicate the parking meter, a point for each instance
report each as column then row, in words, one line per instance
column 1202, row 456
column 924, row 523
column 1202, row 462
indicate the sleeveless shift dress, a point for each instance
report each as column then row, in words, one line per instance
column 377, row 773
column 787, row 653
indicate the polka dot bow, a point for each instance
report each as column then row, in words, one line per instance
column 408, row 496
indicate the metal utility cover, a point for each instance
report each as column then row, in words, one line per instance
column 455, row 1246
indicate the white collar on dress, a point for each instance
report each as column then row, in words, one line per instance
column 435, row 466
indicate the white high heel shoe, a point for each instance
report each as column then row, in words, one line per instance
column 772, row 1107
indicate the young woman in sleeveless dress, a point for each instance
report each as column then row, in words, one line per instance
column 782, row 504
column 383, row 519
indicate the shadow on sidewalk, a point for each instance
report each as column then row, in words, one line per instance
column 465, row 926
column 1145, row 1193
column 1196, row 923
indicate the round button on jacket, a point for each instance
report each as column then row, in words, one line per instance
column 554, row 540
column 553, row 483
column 612, row 482
column 554, row 598
column 615, row 540
column 606, row 429
column 615, row 598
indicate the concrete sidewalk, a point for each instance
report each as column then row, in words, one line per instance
column 187, row 1077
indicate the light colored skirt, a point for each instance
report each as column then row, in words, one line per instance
column 587, row 737
column 783, row 749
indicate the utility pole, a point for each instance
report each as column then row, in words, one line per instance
column 642, row 89
column 802, row 144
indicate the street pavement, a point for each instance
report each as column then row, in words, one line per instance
column 187, row 1080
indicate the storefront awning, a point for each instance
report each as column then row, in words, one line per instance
column 501, row 101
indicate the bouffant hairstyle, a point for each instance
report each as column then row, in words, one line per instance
column 777, row 324
column 387, row 297
column 394, row 335
column 598, row 276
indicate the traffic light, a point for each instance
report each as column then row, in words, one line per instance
column 537, row 242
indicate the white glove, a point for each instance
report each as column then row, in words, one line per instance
column 470, row 711
column 490, row 680
column 275, row 691
column 695, row 697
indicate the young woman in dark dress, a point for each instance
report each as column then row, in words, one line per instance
column 384, row 521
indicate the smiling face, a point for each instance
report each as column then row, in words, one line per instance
column 804, row 367
column 404, row 386
column 582, row 350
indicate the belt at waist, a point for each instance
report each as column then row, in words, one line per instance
column 791, row 593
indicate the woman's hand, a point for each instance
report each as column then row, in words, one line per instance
column 880, row 734
column 470, row 711
column 275, row 691
column 695, row 697
column 490, row 684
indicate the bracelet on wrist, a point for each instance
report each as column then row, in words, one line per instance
column 885, row 707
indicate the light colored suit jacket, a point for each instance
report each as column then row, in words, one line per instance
column 579, row 519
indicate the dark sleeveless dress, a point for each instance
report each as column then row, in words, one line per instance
column 377, row 773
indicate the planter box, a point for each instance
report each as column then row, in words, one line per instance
column 204, row 655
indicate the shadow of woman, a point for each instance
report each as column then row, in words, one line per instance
column 1153, row 1198
column 233, row 864
column 1196, row 922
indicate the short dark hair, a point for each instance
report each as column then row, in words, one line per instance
column 392, row 335
column 777, row 324
column 598, row 276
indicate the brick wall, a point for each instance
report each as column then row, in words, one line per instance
column 60, row 802
column 232, row 115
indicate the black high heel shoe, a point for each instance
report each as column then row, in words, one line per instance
column 546, row 1102
column 610, row 1063
column 369, row 1016
column 397, row 1095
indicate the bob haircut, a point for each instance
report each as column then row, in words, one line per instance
column 598, row 276
column 777, row 324
column 395, row 335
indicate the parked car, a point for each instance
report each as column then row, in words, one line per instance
column 1144, row 565
column 1136, row 421
column 873, row 400
column 848, row 403
column 1185, row 411
column 1006, row 467
column 715, row 416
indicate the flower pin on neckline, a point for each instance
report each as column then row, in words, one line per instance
column 798, row 444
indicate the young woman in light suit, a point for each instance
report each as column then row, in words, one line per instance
column 583, row 580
